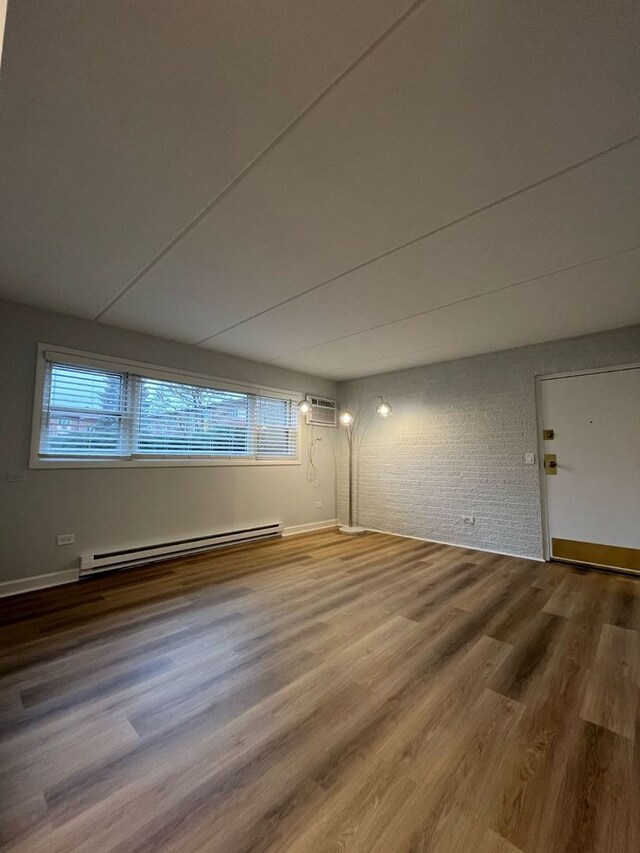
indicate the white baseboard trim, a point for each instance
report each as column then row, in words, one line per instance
column 309, row 528
column 459, row 545
column 71, row 575
column 34, row 582
column 38, row 582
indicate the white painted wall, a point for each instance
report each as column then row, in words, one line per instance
column 456, row 442
column 113, row 507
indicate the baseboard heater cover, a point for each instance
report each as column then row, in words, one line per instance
column 91, row 564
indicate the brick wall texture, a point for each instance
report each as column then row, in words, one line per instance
column 456, row 442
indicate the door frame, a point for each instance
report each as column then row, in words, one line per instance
column 539, row 379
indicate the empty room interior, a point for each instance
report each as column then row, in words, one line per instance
column 320, row 426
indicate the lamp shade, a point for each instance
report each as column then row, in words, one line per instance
column 383, row 409
column 346, row 418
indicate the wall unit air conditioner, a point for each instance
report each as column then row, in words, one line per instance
column 323, row 412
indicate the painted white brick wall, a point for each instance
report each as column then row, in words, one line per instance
column 456, row 443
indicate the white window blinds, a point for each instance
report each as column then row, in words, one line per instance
column 93, row 413
column 84, row 412
column 178, row 419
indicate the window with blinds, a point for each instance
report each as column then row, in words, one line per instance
column 91, row 413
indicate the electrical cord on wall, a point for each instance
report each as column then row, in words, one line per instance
column 312, row 469
column 454, row 525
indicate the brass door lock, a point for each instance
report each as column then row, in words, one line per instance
column 550, row 463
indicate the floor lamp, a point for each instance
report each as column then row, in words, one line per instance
column 348, row 421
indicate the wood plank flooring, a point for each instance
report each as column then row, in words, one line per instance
column 324, row 693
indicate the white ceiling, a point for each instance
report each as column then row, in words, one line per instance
column 343, row 188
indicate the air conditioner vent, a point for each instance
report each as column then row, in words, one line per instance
column 323, row 412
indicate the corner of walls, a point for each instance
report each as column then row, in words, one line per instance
column 456, row 443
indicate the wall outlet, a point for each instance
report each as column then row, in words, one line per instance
column 319, row 504
column 65, row 539
column 17, row 477
column 530, row 458
column 469, row 519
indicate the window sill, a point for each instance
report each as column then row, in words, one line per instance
column 157, row 463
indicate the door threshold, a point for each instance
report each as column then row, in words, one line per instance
column 598, row 567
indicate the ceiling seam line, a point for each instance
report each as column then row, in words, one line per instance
column 501, row 289
column 228, row 188
column 475, row 212
column 444, row 361
column 448, row 360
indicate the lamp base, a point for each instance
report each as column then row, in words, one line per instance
column 352, row 529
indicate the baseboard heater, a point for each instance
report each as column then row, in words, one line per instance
column 91, row 564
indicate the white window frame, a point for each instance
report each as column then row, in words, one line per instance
column 107, row 362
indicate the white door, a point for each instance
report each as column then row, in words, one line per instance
column 593, row 490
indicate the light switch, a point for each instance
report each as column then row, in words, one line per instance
column 530, row 458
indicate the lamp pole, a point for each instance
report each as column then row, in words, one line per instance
column 383, row 410
column 350, row 443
